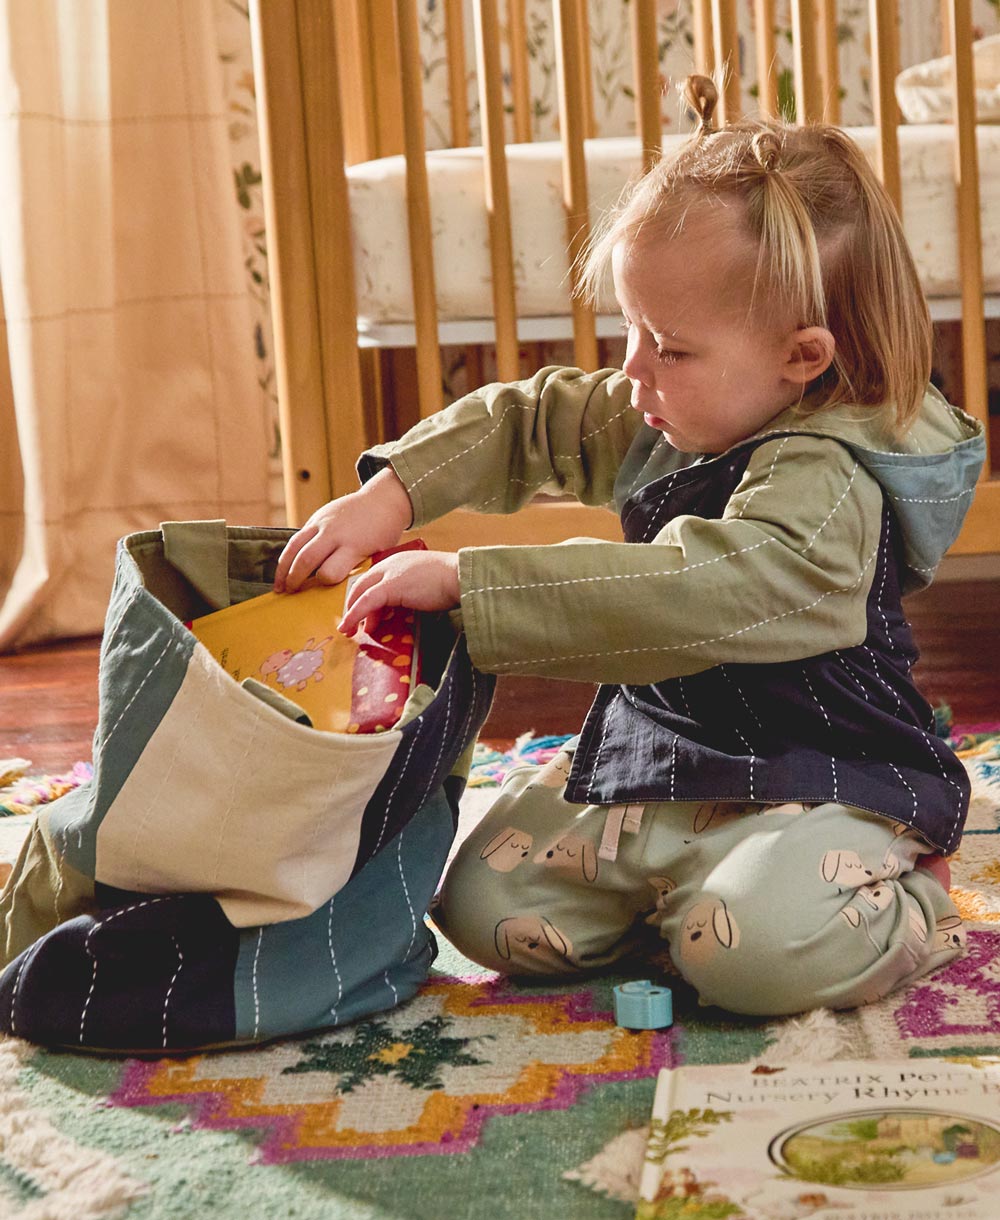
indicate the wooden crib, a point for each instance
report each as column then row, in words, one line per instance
column 339, row 84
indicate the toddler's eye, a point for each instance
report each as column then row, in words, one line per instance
column 667, row 355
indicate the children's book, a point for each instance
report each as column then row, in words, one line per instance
column 290, row 643
column 913, row 1139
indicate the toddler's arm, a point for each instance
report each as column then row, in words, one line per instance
column 783, row 574
column 562, row 431
column 492, row 450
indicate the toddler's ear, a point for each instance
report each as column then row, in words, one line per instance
column 809, row 354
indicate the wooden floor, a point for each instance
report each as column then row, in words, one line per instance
column 48, row 696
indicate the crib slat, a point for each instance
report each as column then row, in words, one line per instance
column 418, row 209
column 945, row 26
column 458, row 106
column 829, row 56
column 727, row 57
column 565, row 14
column 885, row 66
column 458, row 100
column 366, row 37
column 357, row 82
column 520, row 75
column 764, row 42
column 346, row 432
column 704, row 52
column 294, row 308
column 586, row 70
column 646, row 70
column 808, row 99
column 970, row 251
column 487, row 25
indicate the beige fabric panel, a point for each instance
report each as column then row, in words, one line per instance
column 264, row 813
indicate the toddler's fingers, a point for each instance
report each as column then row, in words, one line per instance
column 317, row 553
column 292, row 548
column 367, row 595
column 337, row 566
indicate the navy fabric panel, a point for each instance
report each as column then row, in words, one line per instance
column 846, row 726
column 149, row 975
column 364, row 951
column 703, row 490
column 430, row 746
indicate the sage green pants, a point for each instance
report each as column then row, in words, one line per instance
column 768, row 910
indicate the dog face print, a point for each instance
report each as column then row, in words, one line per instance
column 892, row 865
column 707, row 929
column 949, row 933
column 918, row 925
column 844, row 869
column 532, row 941
column 555, row 773
column 878, row 896
column 505, row 851
column 571, row 854
column 664, row 887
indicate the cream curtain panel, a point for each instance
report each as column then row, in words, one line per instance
column 127, row 388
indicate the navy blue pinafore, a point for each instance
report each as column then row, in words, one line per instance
column 847, row 726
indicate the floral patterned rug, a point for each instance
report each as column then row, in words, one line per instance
column 479, row 1098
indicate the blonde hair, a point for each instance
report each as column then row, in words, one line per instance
column 829, row 245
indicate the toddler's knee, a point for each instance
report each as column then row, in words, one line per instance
column 497, row 923
column 746, row 966
column 514, row 944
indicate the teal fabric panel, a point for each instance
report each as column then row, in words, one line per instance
column 144, row 659
column 366, row 950
column 930, row 495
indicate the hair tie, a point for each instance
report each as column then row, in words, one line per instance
column 766, row 148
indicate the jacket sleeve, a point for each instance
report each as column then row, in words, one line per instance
column 784, row 574
column 563, row 431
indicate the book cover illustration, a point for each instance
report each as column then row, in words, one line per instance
column 290, row 642
column 915, row 1139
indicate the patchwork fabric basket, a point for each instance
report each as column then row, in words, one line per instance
column 230, row 874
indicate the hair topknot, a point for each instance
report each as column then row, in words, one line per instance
column 767, row 147
column 702, row 96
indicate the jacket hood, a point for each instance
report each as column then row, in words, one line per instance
column 928, row 475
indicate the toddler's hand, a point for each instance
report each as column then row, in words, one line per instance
column 421, row 580
column 345, row 531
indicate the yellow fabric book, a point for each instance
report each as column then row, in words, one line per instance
column 290, row 642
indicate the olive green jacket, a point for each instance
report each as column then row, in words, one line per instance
column 784, row 573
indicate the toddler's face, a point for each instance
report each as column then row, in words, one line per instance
column 701, row 372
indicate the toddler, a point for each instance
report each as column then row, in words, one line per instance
column 758, row 778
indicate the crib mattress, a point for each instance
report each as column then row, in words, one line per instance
column 377, row 191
